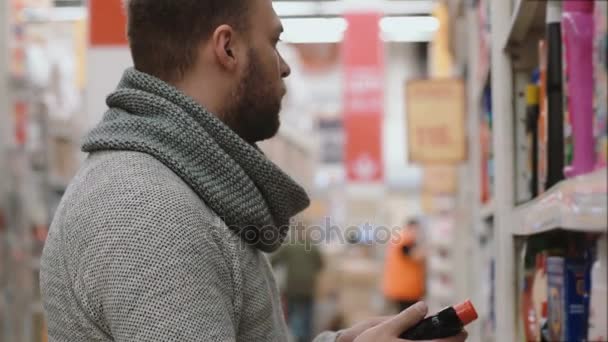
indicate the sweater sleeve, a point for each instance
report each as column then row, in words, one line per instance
column 166, row 282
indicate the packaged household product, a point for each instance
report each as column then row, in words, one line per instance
column 555, row 97
column 487, row 158
column 539, row 293
column 578, row 27
column 542, row 117
column 532, row 113
column 528, row 313
column 598, row 316
column 568, row 281
column 600, row 52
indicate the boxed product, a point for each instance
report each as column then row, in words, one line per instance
column 598, row 311
column 568, row 302
column 600, row 74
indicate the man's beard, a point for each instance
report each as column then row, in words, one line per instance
column 253, row 111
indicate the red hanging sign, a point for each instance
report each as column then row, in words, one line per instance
column 108, row 23
column 363, row 57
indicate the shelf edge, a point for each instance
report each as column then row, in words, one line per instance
column 577, row 204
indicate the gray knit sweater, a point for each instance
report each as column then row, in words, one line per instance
column 137, row 250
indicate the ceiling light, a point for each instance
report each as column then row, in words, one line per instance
column 331, row 30
column 338, row 8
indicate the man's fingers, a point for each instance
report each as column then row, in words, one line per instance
column 406, row 319
column 376, row 320
column 461, row 337
column 458, row 338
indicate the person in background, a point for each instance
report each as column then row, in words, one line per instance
column 303, row 262
column 404, row 271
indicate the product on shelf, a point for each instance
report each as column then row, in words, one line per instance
column 598, row 315
column 600, row 52
column 487, row 159
column 532, row 113
column 578, row 27
column 531, row 288
column 528, row 313
column 568, row 281
column 555, row 96
column 542, row 117
column 539, row 292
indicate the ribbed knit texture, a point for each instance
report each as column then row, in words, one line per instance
column 251, row 194
column 137, row 250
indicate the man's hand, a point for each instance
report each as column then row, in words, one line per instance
column 388, row 329
column 350, row 334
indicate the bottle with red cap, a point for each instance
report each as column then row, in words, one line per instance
column 447, row 322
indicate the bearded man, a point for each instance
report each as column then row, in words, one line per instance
column 162, row 234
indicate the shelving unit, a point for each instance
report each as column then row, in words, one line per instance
column 4, row 128
column 487, row 210
column 528, row 18
column 40, row 162
column 578, row 204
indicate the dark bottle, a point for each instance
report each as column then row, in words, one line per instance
column 532, row 113
column 447, row 322
column 555, row 96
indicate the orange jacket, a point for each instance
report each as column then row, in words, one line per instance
column 404, row 277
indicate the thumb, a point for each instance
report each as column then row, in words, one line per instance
column 406, row 319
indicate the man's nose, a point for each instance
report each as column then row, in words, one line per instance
column 285, row 69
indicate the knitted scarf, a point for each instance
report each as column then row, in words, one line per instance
column 234, row 178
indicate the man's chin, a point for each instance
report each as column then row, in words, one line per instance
column 270, row 133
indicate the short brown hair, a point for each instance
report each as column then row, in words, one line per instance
column 164, row 34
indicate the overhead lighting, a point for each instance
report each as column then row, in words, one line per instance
column 331, row 30
column 408, row 29
column 338, row 8
column 313, row 30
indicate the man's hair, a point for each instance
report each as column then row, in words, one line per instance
column 164, row 35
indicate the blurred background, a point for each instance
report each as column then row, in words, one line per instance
column 426, row 119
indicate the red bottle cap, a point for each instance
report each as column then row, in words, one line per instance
column 466, row 312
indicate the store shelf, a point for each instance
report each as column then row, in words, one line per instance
column 480, row 87
column 527, row 22
column 64, row 132
column 577, row 204
column 36, row 307
column 58, row 184
column 487, row 210
column 440, row 265
column 35, row 264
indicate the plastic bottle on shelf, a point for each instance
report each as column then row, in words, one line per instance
column 578, row 27
column 542, row 117
column 532, row 113
column 539, row 292
column 600, row 52
column 598, row 315
column 555, row 96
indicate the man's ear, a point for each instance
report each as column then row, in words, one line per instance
column 225, row 47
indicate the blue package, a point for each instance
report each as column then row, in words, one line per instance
column 568, row 302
